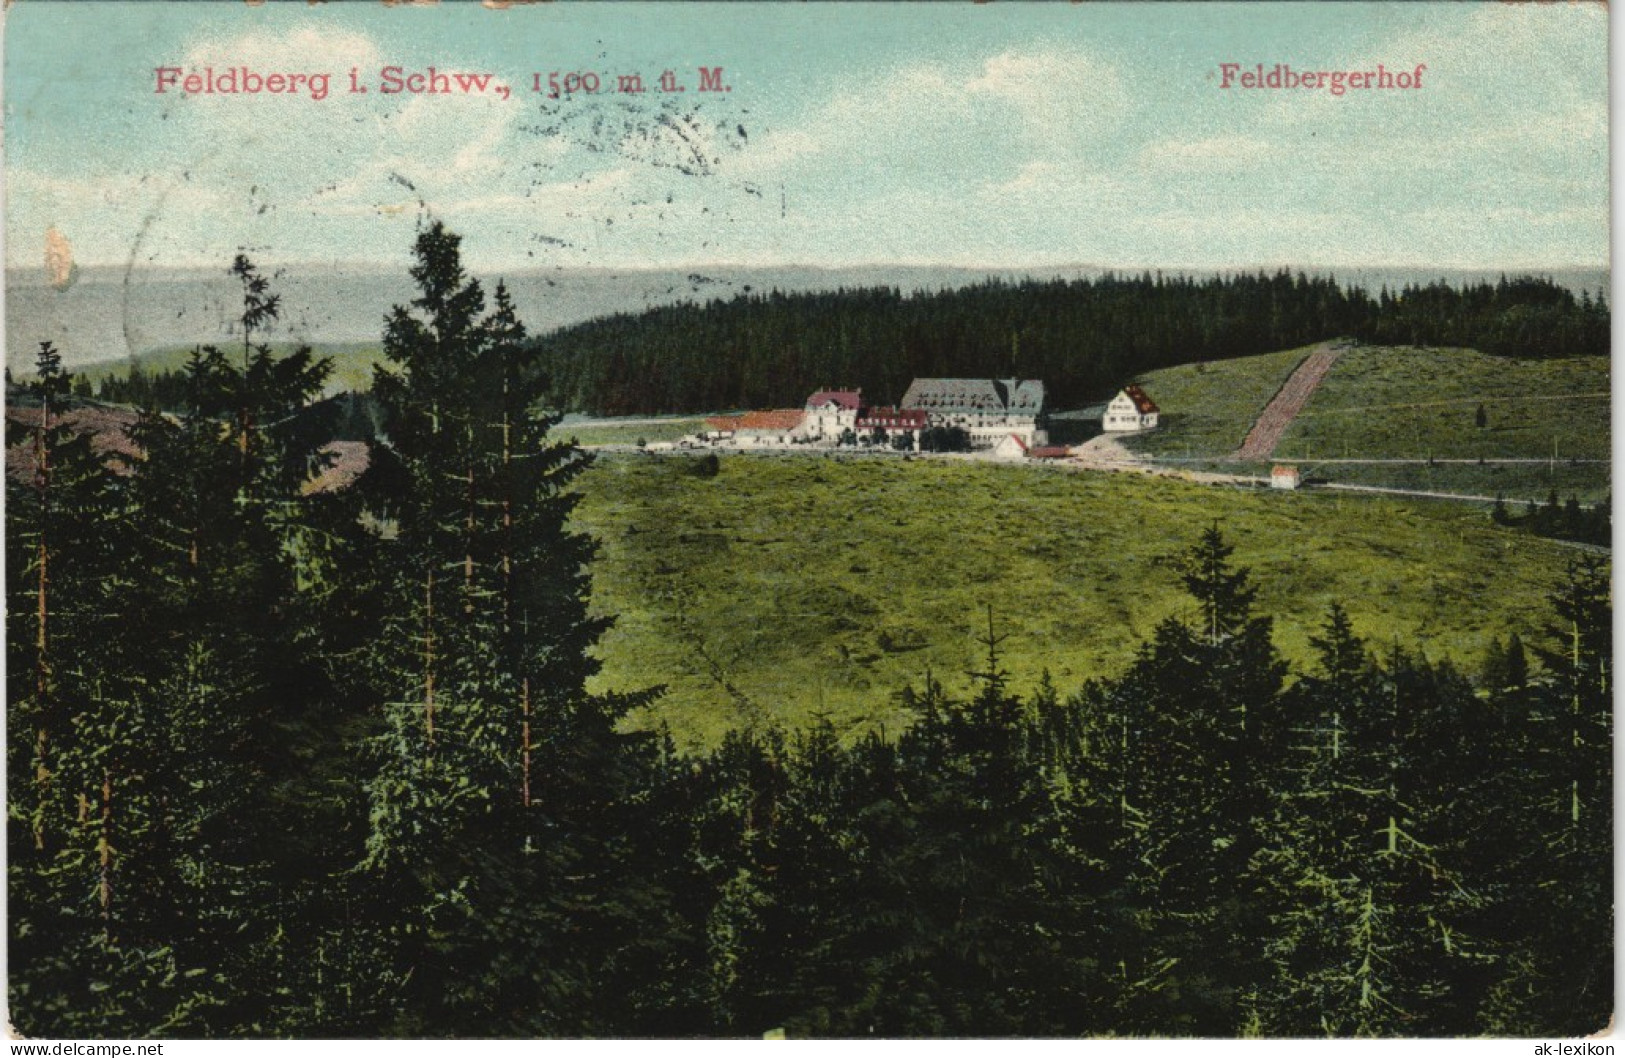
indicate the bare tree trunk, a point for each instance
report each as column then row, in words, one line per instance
column 428, row 657
column 42, row 483
column 1574, row 722
column 524, row 743
column 468, row 548
column 42, row 658
column 507, row 594
column 468, row 530
column 507, row 509
column 42, row 664
column 105, row 848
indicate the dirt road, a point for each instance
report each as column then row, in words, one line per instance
column 1287, row 402
column 1106, row 452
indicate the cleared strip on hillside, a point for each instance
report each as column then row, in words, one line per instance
column 1284, row 407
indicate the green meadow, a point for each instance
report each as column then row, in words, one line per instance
column 786, row 588
column 1517, row 483
column 611, row 433
column 1404, row 404
column 352, row 362
column 1417, row 403
column 1207, row 408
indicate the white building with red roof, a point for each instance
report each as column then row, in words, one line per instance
column 1012, row 446
column 757, row 428
column 1129, row 411
column 888, row 424
column 829, row 412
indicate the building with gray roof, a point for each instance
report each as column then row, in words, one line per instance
column 989, row 409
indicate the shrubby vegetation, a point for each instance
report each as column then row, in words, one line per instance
column 140, row 387
column 326, row 765
column 1568, row 520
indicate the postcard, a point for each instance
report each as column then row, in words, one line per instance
column 831, row 520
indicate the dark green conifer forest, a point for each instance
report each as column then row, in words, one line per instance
column 1082, row 337
column 295, row 763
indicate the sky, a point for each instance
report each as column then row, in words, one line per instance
column 996, row 135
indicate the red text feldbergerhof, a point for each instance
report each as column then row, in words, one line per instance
column 1283, row 77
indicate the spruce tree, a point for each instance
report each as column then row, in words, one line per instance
column 1365, row 913
column 501, row 784
column 1557, row 870
column 64, row 579
column 162, row 752
column 1188, row 738
column 219, row 674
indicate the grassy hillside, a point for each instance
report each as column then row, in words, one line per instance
column 1415, row 403
column 788, row 587
column 1384, row 403
column 1208, row 408
column 352, row 362
column 630, row 433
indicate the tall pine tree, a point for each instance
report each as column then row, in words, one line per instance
column 500, row 801
column 1187, row 742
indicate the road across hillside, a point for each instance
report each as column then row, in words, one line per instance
column 1287, row 402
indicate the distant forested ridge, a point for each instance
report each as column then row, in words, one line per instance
column 1083, row 337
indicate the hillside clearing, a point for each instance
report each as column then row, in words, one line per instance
column 788, row 588
column 1208, row 408
column 352, row 362
column 1420, row 403
column 1413, row 404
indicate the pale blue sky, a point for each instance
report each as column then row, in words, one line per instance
column 996, row 135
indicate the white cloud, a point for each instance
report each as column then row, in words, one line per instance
column 102, row 217
column 773, row 152
column 1033, row 176
column 951, row 119
column 349, row 155
column 1486, row 64
column 309, row 49
column 1055, row 93
column 1467, row 217
column 1041, row 151
column 1212, row 153
column 451, row 137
